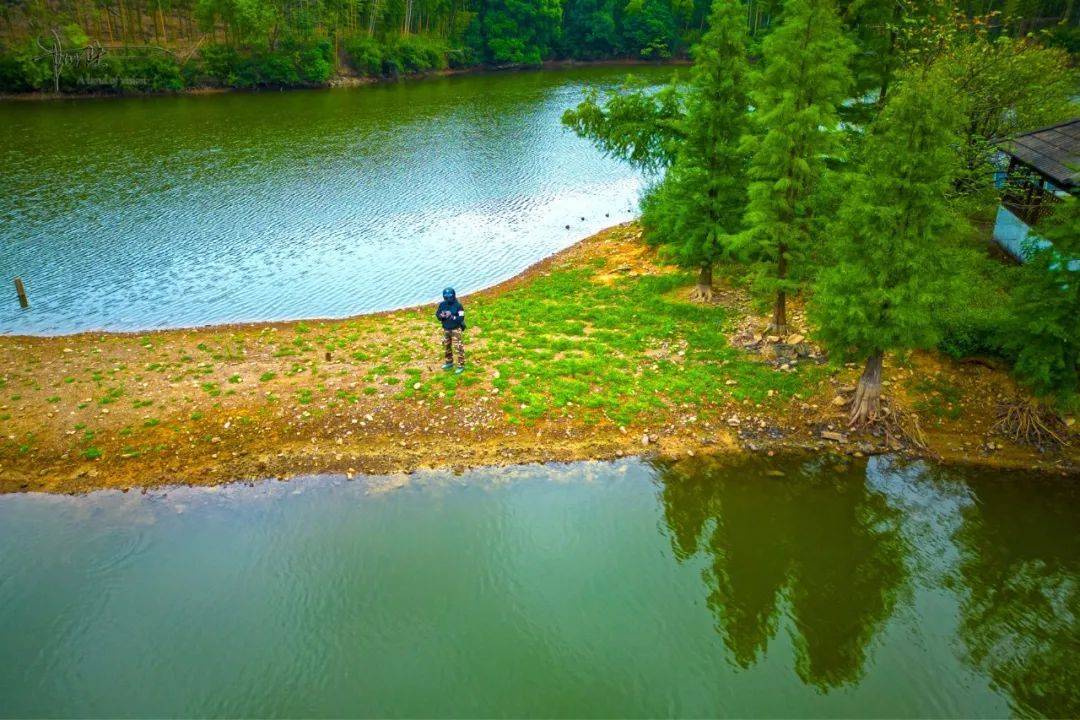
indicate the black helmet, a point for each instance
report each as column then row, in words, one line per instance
column 448, row 293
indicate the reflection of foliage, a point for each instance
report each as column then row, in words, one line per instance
column 849, row 563
column 1020, row 564
column 822, row 538
column 751, row 556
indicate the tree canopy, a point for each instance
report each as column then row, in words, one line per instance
column 797, row 94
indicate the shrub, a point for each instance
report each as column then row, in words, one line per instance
column 294, row 63
column 219, row 63
column 13, row 75
column 151, row 72
column 365, row 56
column 412, row 54
column 314, row 62
column 1064, row 36
column 267, row 70
column 974, row 330
column 1045, row 333
column 977, row 326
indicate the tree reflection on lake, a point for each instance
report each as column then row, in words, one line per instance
column 1018, row 573
column 817, row 543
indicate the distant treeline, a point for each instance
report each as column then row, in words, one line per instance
column 160, row 45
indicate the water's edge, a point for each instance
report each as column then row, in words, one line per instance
column 347, row 81
column 493, row 289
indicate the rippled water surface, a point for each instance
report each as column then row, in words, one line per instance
column 177, row 211
column 787, row 588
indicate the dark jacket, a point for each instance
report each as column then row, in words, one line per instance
column 451, row 314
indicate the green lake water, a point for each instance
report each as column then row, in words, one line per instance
column 794, row 587
column 151, row 212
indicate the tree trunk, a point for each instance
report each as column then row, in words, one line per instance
column 778, row 326
column 779, row 318
column 867, row 401
column 703, row 291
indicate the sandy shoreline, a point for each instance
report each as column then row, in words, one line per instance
column 204, row 406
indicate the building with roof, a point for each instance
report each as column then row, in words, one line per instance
column 1044, row 165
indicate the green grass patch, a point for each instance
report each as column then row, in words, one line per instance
column 569, row 345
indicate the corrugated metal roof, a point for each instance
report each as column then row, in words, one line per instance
column 1053, row 151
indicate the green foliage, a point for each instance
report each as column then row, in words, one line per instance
column 632, row 124
column 14, row 75
column 1045, row 333
column 650, row 29
column 151, row 72
column 407, row 55
column 365, row 55
column 245, row 20
column 1003, row 87
column 977, row 325
column 804, row 80
column 517, row 32
column 891, row 252
column 1064, row 36
column 414, row 54
column 589, row 29
column 698, row 207
column 294, row 63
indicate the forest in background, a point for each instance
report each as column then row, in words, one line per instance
column 164, row 45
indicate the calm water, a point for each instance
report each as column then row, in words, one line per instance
column 177, row 211
column 791, row 588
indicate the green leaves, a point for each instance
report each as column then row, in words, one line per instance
column 894, row 239
column 698, row 206
column 641, row 127
column 1045, row 333
column 797, row 95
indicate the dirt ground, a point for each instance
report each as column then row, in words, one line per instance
column 243, row 402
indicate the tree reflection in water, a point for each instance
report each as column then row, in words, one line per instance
column 1019, row 569
column 816, row 540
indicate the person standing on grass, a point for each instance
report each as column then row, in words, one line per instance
column 452, row 316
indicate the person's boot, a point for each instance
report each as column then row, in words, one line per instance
column 448, row 366
column 461, row 369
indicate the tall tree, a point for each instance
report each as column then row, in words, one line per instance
column 697, row 209
column 889, row 273
column 805, row 78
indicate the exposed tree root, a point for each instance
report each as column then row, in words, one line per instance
column 778, row 330
column 703, row 291
column 702, row 294
column 901, row 427
column 1028, row 422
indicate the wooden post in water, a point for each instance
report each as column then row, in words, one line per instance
column 22, row 293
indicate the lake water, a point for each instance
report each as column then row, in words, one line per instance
column 160, row 212
column 761, row 588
